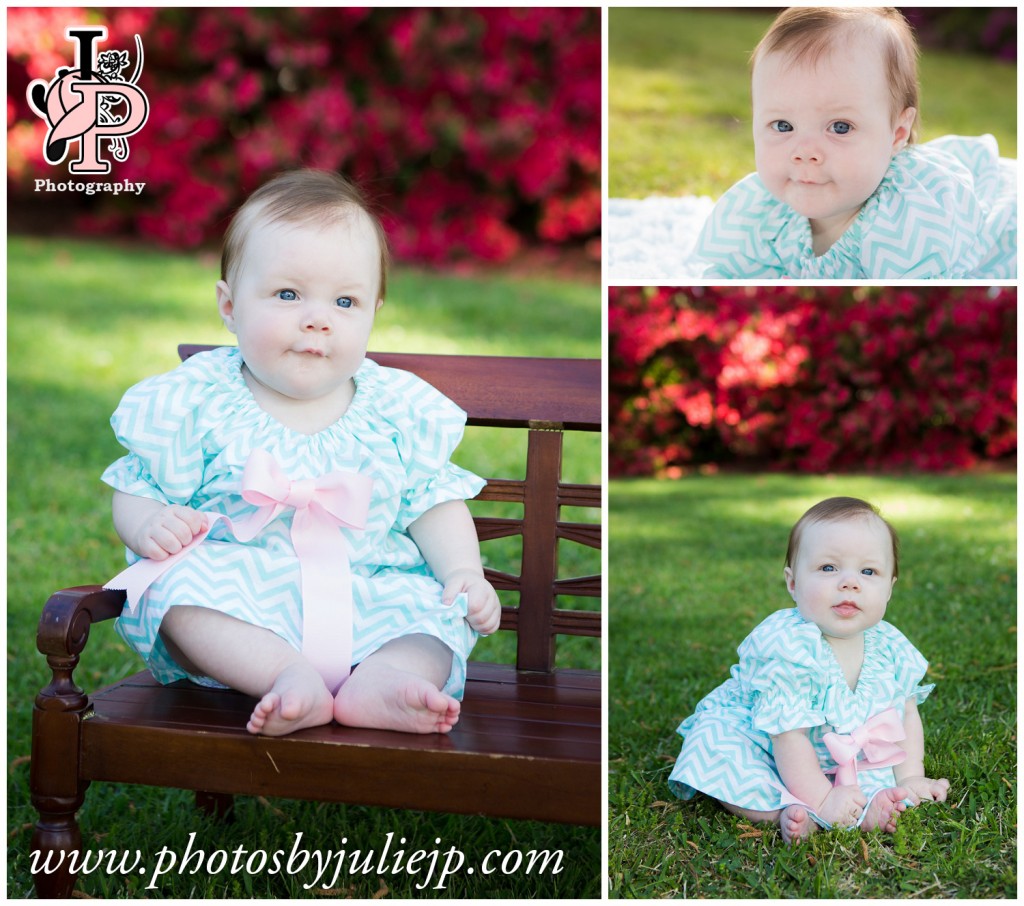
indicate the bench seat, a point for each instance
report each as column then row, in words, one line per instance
column 540, row 732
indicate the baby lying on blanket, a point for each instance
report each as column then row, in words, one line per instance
column 841, row 190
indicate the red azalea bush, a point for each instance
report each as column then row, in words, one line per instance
column 476, row 131
column 811, row 379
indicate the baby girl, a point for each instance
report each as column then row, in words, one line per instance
column 841, row 190
column 299, row 531
column 826, row 687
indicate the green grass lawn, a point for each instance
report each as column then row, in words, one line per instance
column 85, row 321
column 679, row 99
column 694, row 565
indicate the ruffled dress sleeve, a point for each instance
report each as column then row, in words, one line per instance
column 428, row 427
column 737, row 240
column 781, row 668
column 907, row 664
column 157, row 423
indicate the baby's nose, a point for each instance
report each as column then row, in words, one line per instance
column 315, row 318
column 807, row 152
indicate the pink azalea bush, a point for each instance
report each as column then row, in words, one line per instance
column 811, row 379
column 476, row 131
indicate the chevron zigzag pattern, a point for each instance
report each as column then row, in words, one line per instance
column 788, row 678
column 188, row 435
column 945, row 209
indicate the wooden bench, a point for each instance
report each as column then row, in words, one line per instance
column 528, row 744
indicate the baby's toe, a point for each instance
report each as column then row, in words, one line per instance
column 264, row 708
column 256, row 723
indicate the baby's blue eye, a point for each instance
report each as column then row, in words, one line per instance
column 287, row 295
column 344, row 302
column 782, row 126
column 842, row 128
column 828, row 568
column 868, row 571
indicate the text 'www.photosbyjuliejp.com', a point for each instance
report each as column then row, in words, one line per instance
column 325, row 869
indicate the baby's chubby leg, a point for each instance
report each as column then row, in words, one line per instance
column 398, row 687
column 252, row 660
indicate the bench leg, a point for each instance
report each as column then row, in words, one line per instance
column 55, row 841
column 217, row 805
column 57, row 789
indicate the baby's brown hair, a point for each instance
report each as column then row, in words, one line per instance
column 806, row 32
column 836, row 509
column 294, row 197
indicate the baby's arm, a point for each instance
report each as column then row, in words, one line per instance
column 446, row 536
column 798, row 767
column 153, row 529
column 910, row 773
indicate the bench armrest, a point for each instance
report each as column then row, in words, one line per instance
column 68, row 615
column 62, row 634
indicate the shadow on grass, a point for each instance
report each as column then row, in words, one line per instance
column 376, row 848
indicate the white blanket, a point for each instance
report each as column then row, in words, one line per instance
column 652, row 241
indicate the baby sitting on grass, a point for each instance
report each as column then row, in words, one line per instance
column 824, row 688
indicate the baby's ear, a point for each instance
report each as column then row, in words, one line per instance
column 376, row 308
column 790, row 580
column 225, row 305
column 904, row 128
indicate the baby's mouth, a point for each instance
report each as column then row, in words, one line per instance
column 846, row 609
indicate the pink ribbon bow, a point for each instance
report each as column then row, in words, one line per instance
column 322, row 506
column 876, row 738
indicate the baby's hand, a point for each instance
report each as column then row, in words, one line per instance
column 167, row 531
column 484, row 612
column 842, row 807
column 924, row 788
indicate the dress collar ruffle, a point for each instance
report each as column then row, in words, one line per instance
column 910, row 179
column 222, row 367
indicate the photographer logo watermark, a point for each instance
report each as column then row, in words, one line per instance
column 91, row 104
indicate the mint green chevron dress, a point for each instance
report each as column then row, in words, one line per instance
column 788, row 678
column 944, row 209
column 189, row 433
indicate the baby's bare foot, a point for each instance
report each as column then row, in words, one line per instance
column 297, row 699
column 884, row 810
column 386, row 698
column 796, row 824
